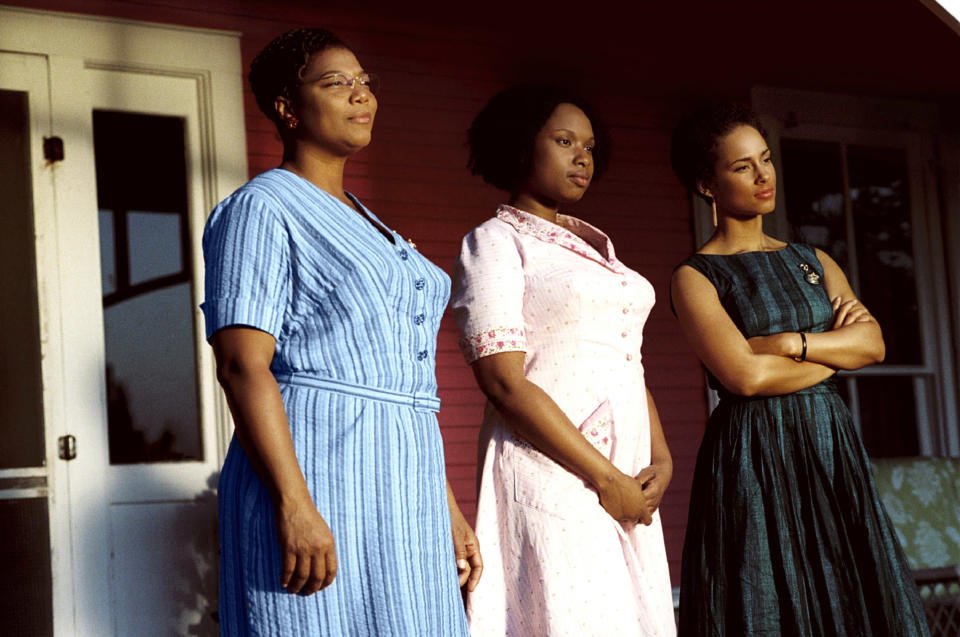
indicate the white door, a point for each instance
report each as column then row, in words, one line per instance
column 34, row 499
column 101, row 340
column 161, row 456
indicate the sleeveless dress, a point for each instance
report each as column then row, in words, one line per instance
column 786, row 533
column 355, row 317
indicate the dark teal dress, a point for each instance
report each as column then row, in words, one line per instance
column 786, row 533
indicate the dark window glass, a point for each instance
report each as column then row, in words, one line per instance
column 147, row 288
column 888, row 416
column 880, row 203
column 21, row 402
column 813, row 184
column 26, row 604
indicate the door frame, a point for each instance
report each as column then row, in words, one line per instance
column 74, row 392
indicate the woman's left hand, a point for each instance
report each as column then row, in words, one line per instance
column 848, row 312
column 466, row 549
column 654, row 480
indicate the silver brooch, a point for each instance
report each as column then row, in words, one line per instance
column 809, row 275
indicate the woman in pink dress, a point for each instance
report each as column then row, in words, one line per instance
column 574, row 460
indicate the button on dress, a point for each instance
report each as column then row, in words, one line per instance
column 355, row 317
column 555, row 563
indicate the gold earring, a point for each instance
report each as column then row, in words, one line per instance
column 713, row 207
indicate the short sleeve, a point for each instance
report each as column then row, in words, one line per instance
column 487, row 295
column 247, row 258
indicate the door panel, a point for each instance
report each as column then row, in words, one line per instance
column 26, row 511
column 162, row 456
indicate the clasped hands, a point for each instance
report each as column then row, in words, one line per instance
column 634, row 500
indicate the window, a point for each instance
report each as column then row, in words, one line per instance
column 853, row 202
column 146, row 279
column 26, row 582
column 855, row 181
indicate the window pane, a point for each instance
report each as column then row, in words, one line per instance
column 153, row 413
column 813, row 185
column 880, row 202
column 21, row 407
column 888, row 419
column 108, row 261
column 154, row 245
column 151, row 387
column 25, row 579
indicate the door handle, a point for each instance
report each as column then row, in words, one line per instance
column 68, row 447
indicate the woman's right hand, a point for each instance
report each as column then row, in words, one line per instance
column 308, row 558
column 623, row 498
column 308, row 554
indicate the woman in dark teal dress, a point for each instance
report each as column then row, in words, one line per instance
column 786, row 533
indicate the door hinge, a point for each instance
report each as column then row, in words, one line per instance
column 53, row 149
column 68, row 447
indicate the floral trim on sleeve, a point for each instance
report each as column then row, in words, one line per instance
column 493, row 341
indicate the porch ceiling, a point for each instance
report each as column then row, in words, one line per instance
column 887, row 48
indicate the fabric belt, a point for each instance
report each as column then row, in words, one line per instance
column 418, row 400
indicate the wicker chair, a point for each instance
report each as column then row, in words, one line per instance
column 922, row 497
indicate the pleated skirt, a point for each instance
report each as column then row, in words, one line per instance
column 786, row 533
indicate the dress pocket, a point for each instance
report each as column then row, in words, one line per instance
column 598, row 429
column 545, row 485
column 542, row 484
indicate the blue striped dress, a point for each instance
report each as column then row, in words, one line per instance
column 355, row 318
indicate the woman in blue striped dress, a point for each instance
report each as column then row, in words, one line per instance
column 323, row 322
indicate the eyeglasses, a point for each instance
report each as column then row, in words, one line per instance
column 340, row 83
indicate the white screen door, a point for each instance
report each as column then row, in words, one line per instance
column 101, row 342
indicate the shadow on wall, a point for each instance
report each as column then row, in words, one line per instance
column 197, row 592
column 174, row 583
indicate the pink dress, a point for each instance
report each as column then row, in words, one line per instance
column 555, row 563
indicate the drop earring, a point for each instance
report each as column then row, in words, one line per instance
column 713, row 208
column 292, row 122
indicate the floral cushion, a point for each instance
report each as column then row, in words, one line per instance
column 921, row 497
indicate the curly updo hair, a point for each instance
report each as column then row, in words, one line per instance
column 693, row 146
column 278, row 68
column 502, row 134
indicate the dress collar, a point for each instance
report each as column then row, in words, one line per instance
column 568, row 232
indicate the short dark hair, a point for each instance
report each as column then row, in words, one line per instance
column 502, row 134
column 693, row 146
column 278, row 68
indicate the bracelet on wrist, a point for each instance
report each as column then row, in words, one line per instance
column 803, row 349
